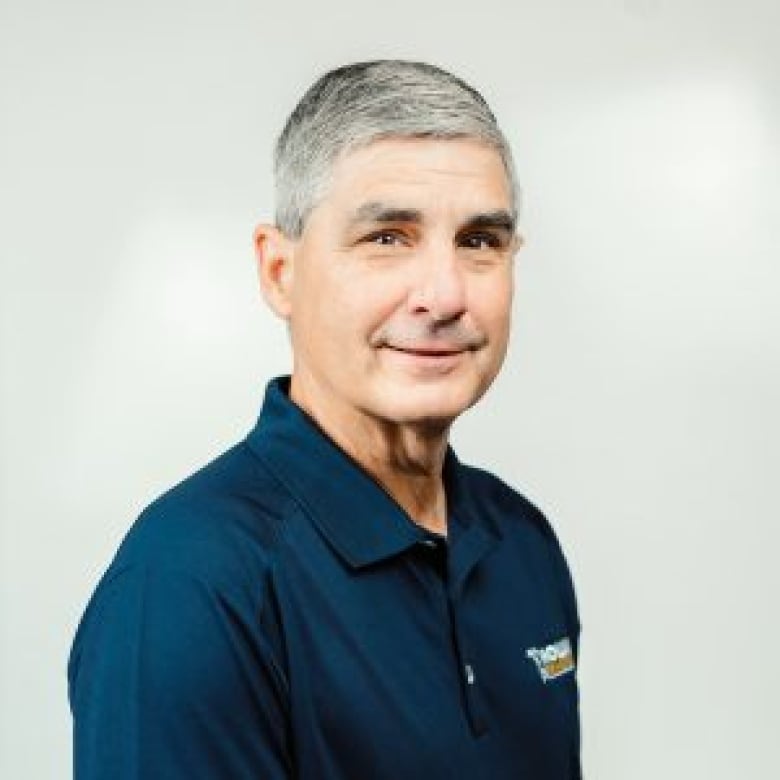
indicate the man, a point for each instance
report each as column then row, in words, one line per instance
column 337, row 596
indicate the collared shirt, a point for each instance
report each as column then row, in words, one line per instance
column 277, row 615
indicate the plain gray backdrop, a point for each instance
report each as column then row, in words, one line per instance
column 639, row 403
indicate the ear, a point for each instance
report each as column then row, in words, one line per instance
column 275, row 254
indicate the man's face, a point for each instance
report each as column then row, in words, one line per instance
column 400, row 304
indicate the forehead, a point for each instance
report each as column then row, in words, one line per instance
column 420, row 173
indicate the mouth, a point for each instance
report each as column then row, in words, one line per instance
column 427, row 352
column 427, row 361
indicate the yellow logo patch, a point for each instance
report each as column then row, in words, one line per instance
column 553, row 660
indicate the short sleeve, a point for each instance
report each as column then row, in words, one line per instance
column 171, row 677
column 566, row 585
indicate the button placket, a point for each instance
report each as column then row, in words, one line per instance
column 451, row 590
column 467, row 553
column 475, row 707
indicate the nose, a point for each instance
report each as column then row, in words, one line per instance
column 439, row 288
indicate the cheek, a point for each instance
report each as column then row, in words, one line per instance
column 342, row 304
column 491, row 304
column 368, row 299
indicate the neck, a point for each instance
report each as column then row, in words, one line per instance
column 406, row 459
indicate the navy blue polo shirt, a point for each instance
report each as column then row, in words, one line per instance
column 278, row 615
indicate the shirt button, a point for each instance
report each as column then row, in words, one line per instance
column 470, row 676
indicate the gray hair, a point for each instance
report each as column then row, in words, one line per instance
column 353, row 105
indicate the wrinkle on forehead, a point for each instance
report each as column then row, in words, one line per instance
column 420, row 177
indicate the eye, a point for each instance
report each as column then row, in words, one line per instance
column 481, row 240
column 384, row 238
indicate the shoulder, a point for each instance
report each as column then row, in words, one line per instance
column 531, row 534
column 508, row 507
column 196, row 565
column 223, row 522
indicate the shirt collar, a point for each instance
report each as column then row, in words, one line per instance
column 357, row 516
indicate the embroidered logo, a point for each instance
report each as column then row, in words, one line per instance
column 553, row 660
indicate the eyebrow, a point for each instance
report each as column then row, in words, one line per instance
column 376, row 211
column 497, row 219
column 383, row 213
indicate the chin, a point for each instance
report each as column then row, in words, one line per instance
column 427, row 404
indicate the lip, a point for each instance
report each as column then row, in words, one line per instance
column 429, row 353
column 426, row 360
column 433, row 352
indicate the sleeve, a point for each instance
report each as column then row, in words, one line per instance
column 568, row 594
column 171, row 678
column 569, row 598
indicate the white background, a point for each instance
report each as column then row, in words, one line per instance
column 639, row 404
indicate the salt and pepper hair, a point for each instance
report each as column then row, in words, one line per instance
column 351, row 106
